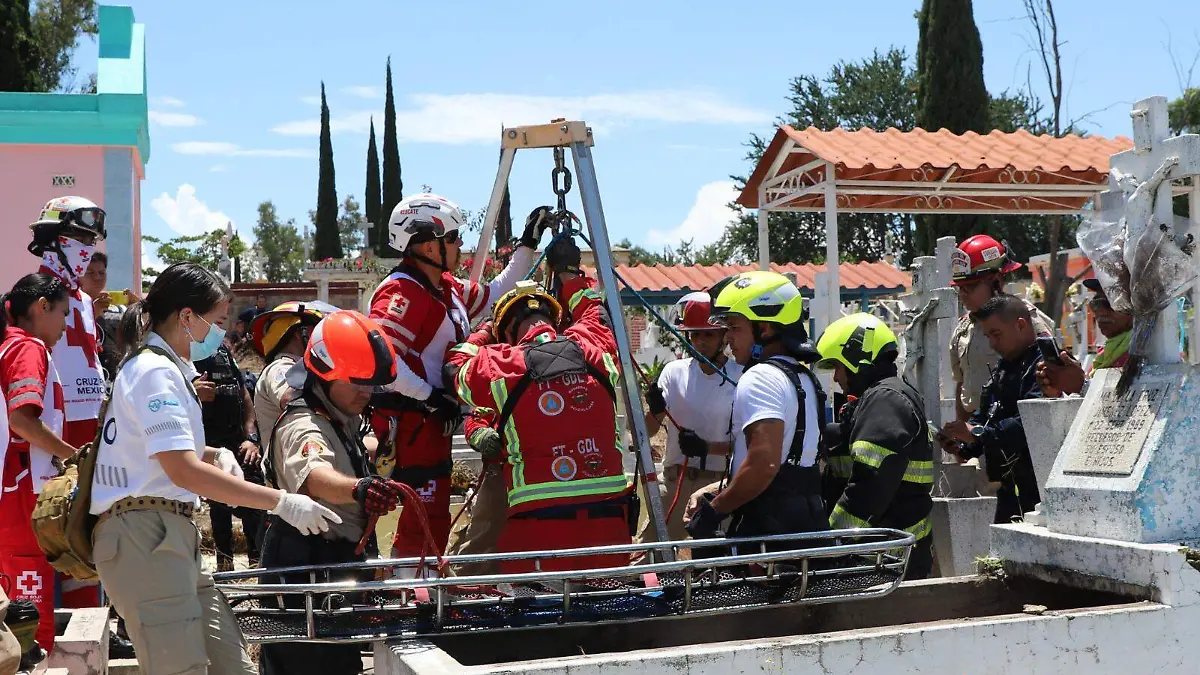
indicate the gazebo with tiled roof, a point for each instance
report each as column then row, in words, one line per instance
column 918, row 171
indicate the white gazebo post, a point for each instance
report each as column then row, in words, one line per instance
column 764, row 243
column 832, row 254
column 1152, row 148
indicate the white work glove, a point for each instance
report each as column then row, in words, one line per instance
column 304, row 514
column 227, row 462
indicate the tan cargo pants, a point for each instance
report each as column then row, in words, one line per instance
column 149, row 563
column 489, row 513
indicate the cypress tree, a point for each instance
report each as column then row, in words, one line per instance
column 950, row 95
column 950, row 89
column 327, row 242
column 393, row 186
column 372, row 202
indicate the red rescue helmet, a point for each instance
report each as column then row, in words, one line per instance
column 695, row 313
column 346, row 345
column 977, row 257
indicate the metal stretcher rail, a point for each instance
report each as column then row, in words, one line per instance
column 381, row 599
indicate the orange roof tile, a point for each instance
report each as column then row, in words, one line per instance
column 1014, row 161
column 876, row 276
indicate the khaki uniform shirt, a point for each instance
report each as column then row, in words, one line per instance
column 270, row 395
column 306, row 440
column 972, row 358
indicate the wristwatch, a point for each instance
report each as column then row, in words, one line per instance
column 978, row 430
column 254, row 438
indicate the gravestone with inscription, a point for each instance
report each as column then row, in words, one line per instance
column 1129, row 468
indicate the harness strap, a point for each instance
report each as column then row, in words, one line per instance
column 354, row 449
column 792, row 372
column 577, row 364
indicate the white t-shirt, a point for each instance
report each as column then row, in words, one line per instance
column 152, row 411
column 765, row 393
column 700, row 402
column 78, row 362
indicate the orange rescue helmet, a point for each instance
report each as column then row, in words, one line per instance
column 348, row 346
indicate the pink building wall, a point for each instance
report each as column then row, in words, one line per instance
column 26, row 184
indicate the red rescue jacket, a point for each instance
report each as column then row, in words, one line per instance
column 562, row 444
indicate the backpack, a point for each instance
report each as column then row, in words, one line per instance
column 62, row 519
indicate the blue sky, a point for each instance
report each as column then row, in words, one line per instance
column 672, row 88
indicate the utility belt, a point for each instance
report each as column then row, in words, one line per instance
column 419, row 476
column 185, row 509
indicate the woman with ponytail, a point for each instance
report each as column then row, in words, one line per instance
column 35, row 311
column 151, row 468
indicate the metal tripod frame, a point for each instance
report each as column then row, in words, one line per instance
column 577, row 137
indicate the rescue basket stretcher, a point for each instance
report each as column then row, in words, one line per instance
column 407, row 598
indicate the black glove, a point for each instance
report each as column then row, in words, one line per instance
column 377, row 495
column 705, row 520
column 539, row 221
column 22, row 619
column 486, row 442
column 444, row 405
column 655, row 401
column 691, row 445
column 563, row 255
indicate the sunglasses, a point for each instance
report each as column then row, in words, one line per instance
column 1099, row 304
column 452, row 237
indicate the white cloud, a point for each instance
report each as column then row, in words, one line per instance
column 186, row 214
column 706, row 221
column 170, row 119
column 169, row 101
column 311, row 100
column 217, row 168
column 476, row 118
column 363, row 91
column 235, row 150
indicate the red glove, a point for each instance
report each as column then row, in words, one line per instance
column 377, row 495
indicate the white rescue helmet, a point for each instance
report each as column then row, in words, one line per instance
column 422, row 218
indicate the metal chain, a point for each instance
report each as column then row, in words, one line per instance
column 560, row 179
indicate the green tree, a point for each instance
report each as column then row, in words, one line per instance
column 1184, row 112
column 348, row 224
column 278, row 245
column 373, row 198
column 326, row 240
column 57, row 26
column 950, row 95
column 393, row 186
column 202, row 249
column 685, row 254
column 19, row 50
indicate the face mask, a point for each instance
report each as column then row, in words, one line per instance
column 208, row 346
column 78, row 256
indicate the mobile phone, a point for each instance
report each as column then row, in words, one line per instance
column 118, row 297
column 1049, row 350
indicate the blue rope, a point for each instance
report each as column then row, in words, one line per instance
column 665, row 324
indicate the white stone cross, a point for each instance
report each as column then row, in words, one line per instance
column 365, row 226
column 1154, row 149
column 307, row 251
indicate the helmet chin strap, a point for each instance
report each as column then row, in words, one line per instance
column 429, row 261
